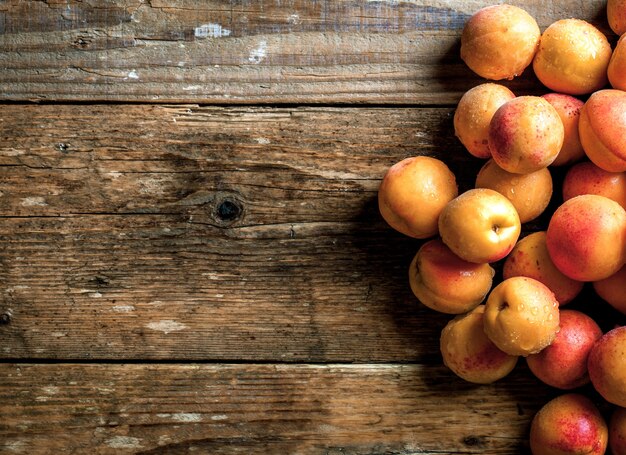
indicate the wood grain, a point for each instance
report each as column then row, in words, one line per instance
column 185, row 232
column 114, row 244
column 267, row 51
column 254, row 409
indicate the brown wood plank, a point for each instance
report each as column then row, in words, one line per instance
column 225, row 409
column 112, row 245
column 267, row 51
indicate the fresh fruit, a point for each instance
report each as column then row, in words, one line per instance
column 473, row 114
column 468, row 352
column 525, row 134
column 616, row 15
column 444, row 282
column 521, row 316
column 607, row 366
column 587, row 178
column 613, row 290
column 572, row 57
column 563, row 364
column 617, row 65
column 602, row 129
column 568, row 109
column 499, row 41
column 568, row 424
column 413, row 193
column 529, row 193
column 530, row 258
column 586, row 237
column 480, row 225
column 617, row 432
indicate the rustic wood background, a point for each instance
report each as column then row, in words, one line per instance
column 191, row 252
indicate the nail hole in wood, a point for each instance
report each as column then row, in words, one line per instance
column 5, row 318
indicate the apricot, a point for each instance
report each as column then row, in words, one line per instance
column 480, row 225
column 617, row 432
column 586, row 237
column 468, row 352
column 529, row 193
column 617, row 65
column 444, row 282
column 530, row 258
column 607, row 366
column 616, row 14
column 568, row 424
column 525, row 134
column 473, row 114
column 613, row 290
column 602, row 129
column 563, row 364
column 587, row 178
column 413, row 193
column 568, row 109
column 499, row 41
column 521, row 316
column 572, row 57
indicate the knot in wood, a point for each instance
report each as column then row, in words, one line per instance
column 228, row 210
column 5, row 318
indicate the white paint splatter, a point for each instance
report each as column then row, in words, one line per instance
column 123, row 308
column 219, row 417
column 187, row 417
column 133, row 75
column 58, row 334
column 293, row 19
column 211, row 275
column 189, row 88
column 33, row 201
column 262, row 140
column 95, row 295
column 182, row 417
column 123, row 442
column 211, row 31
column 257, row 55
column 51, row 390
column 166, row 326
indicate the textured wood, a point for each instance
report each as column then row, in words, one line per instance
column 113, row 246
column 162, row 232
column 267, row 51
column 225, row 409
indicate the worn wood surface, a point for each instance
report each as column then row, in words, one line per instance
column 248, row 51
column 114, row 228
column 278, row 409
column 183, row 278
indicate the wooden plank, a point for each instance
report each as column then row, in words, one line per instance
column 185, row 232
column 113, row 246
column 296, row 409
column 267, row 51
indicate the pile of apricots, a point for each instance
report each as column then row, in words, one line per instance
column 580, row 124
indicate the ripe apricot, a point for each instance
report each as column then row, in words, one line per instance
column 499, row 41
column 568, row 109
column 413, row 193
column 473, row 114
column 529, row 193
column 573, row 57
column 444, row 282
column 521, row 316
column 616, row 14
column 525, row 134
column 468, row 352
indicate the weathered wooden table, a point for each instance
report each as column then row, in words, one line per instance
column 191, row 254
